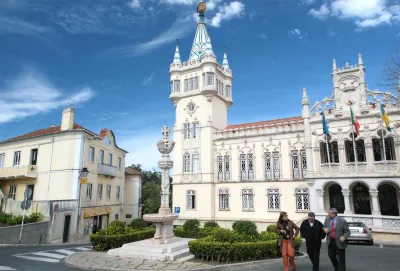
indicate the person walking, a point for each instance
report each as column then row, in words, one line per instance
column 337, row 232
column 313, row 231
column 287, row 231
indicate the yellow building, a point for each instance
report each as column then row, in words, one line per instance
column 49, row 162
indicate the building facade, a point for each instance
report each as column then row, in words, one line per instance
column 132, row 194
column 49, row 162
column 253, row 171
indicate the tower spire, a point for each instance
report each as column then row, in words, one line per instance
column 177, row 56
column 225, row 62
column 202, row 42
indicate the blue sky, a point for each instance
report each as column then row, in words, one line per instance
column 110, row 59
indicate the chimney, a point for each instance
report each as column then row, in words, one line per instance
column 67, row 120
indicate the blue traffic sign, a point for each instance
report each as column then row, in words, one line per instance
column 177, row 210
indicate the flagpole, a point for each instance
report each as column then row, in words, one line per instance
column 327, row 151
column 354, row 144
column 383, row 138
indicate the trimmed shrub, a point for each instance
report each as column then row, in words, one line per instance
column 245, row 227
column 17, row 220
column 211, row 224
column 4, row 217
column 268, row 236
column 107, row 242
column 139, row 223
column 271, row 228
column 115, row 227
column 203, row 232
column 191, row 225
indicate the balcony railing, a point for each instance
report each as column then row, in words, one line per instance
column 107, row 170
column 28, row 171
column 362, row 168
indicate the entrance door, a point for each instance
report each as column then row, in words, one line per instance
column 361, row 200
column 95, row 224
column 67, row 221
column 100, row 222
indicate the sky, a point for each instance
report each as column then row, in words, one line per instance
column 109, row 59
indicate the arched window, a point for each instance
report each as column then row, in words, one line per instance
column 196, row 161
column 186, row 131
column 377, row 146
column 248, row 199
column 360, row 149
column 273, row 199
column 246, row 167
column 333, row 152
column 223, row 167
column 186, row 162
column 191, row 199
column 272, row 166
column 223, row 199
column 299, row 164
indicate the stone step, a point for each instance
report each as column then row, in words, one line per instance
column 186, row 258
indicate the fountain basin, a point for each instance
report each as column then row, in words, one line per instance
column 160, row 218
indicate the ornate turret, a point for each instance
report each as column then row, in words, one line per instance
column 202, row 42
column 177, row 56
column 225, row 62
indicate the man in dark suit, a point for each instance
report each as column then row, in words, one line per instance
column 337, row 232
column 313, row 231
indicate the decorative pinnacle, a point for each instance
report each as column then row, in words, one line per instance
column 305, row 100
column 360, row 61
column 334, row 65
column 201, row 8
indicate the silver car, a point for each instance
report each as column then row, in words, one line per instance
column 360, row 233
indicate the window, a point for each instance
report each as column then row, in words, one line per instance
column 177, row 86
column 333, row 152
column 273, row 199
column 227, row 168
column 224, row 199
column 89, row 188
column 303, row 163
column 34, row 157
column 172, row 86
column 190, row 199
column 247, row 199
column 204, row 79
column 2, row 159
column 12, row 192
column 295, row 165
column 101, row 158
column 377, row 147
column 186, row 131
column 99, row 191
column 110, row 159
column 196, row 161
column 210, row 79
column 195, row 130
column 228, row 91
column 302, row 199
column 91, row 154
column 246, row 166
column 191, row 85
column 119, row 163
column 117, row 192
column 186, row 85
column 17, row 158
column 186, row 162
column 360, row 150
column 108, row 191
column 220, row 167
column 31, row 187
column 196, row 82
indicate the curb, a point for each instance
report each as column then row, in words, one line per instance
column 44, row 245
column 70, row 263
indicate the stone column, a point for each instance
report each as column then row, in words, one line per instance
column 309, row 158
column 370, row 156
column 375, row 204
column 320, row 200
column 346, row 196
column 317, row 161
column 342, row 158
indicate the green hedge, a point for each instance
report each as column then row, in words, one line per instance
column 105, row 242
column 11, row 220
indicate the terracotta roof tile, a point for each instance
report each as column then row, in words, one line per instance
column 269, row 122
column 131, row 171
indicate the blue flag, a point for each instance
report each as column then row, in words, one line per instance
column 325, row 125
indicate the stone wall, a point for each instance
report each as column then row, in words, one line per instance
column 34, row 233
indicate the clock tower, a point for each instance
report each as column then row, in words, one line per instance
column 201, row 90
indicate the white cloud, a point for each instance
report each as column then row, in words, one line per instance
column 147, row 81
column 365, row 13
column 297, row 34
column 263, row 36
column 227, row 12
column 14, row 25
column 31, row 94
column 179, row 2
column 322, row 13
column 308, row 2
column 134, row 4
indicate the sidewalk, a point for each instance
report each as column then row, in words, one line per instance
column 90, row 260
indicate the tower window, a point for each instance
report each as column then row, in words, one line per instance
column 228, row 91
column 186, row 131
column 186, row 162
column 196, row 161
column 177, row 84
column 191, row 84
column 195, row 130
column 186, row 85
column 210, row 79
column 196, row 82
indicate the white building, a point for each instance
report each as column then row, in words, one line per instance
column 253, row 171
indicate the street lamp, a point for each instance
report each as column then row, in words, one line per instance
column 83, row 173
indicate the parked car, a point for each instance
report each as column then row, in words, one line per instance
column 360, row 233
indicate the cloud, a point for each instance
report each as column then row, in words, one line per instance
column 330, row 32
column 134, row 4
column 181, row 27
column 147, row 81
column 297, row 34
column 108, row 116
column 365, row 13
column 17, row 26
column 263, row 36
column 31, row 94
column 252, row 15
column 308, row 2
column 227, row 12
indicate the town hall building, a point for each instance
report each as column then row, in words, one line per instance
column 253, row 171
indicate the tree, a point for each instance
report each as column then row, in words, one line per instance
column 391, row 72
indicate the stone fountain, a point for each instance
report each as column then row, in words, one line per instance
column 164, row 246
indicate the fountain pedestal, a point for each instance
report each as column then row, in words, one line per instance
column 164, row 246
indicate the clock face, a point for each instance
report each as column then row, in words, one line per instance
column 191, row 107
column 107, row 141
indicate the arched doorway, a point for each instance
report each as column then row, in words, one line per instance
column 361, row 199
column 336, row 199
column 388, row 200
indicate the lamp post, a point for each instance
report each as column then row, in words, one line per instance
column 83, row 173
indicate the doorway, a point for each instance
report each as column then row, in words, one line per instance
column 67, row 222
column 361, row 199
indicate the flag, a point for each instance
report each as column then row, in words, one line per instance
column 354, row 122
column 325, row 125
column 386, row 119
